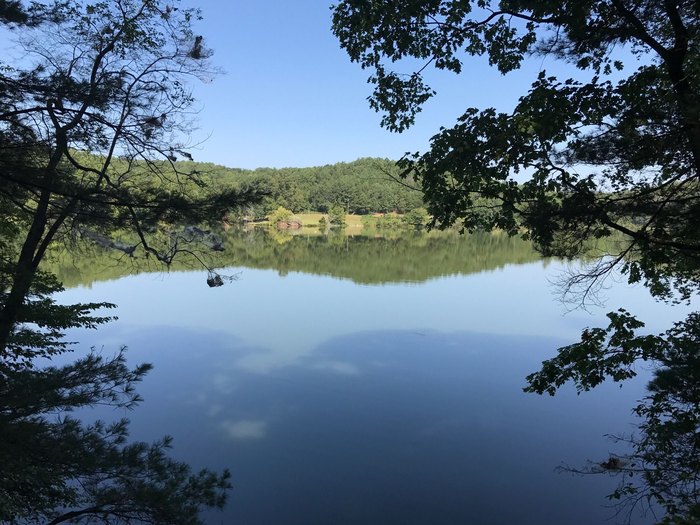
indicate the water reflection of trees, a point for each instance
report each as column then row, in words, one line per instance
column 668, row 450
column 661, row 469
column 404, row 257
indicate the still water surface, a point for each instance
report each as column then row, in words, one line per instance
column 337, row 398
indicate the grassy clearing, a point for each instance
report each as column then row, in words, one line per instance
column 311, row 220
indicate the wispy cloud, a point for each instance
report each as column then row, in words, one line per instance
column 245, row 429
column 338, row 367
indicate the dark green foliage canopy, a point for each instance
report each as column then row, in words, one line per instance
column 362, row 186
column 94, row 122
column 91, row 126
column 613, row 149
column 336, row 215
column 665, row 453
column 59, row 469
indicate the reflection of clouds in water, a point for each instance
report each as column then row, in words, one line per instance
column 245, row 429
column 214, row 410
column 269, row 360
column 223, row 383
column 338, row 367
column 199, row 398
column 262, row 362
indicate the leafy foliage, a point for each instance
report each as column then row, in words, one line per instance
column 280, row 214
column 417, row 218
column 90, row 131
column 602, row 353
column 93, row 127
column 57, row 468
column 40, row 324
column 601, row 153
column 614, row 149
column 363, row 186
column 336, row 215
column 664, row 465
column 668, row 447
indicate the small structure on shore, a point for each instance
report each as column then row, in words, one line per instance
column 289, row 225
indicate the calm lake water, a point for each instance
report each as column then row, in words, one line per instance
column 370, row 381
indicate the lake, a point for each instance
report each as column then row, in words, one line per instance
column 361, row 380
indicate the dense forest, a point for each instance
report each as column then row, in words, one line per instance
column 363, row 186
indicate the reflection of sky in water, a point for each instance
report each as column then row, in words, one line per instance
column 333, row 402
column 244, row 429
column 287, row 316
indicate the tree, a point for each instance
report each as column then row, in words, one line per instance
column 417, row 218
column 91, row 127
column 336, row 215
column 57, row 468
column 613, row 151
column 89, row 136
column 281, row 214
column 664, row 455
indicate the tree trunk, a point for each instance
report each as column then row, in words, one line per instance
column 23, row 274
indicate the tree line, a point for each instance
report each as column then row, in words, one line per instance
column 366, row 185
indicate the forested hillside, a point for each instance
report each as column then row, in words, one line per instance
column 363, row 186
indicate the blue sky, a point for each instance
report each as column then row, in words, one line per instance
column 291, row 97
column 288, row 95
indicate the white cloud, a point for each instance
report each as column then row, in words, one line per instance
column 338, row 367
column 245, row 429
